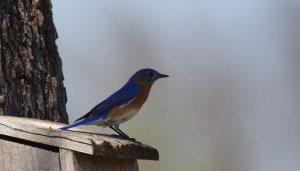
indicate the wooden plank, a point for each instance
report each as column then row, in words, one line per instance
column 74, row 161
column 99, row 163
column 42, row 132
column 80, row 140
column 67, row 160
column 21, row 157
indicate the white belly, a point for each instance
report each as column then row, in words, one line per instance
column 120, row 119
column 127, row 115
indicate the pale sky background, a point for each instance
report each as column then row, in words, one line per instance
column 232, row 100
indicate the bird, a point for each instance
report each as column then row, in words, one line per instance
column 122, row 105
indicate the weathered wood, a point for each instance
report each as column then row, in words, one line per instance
column 31, row 78
column 16, row 156
column 74, row 161
column 80, row 140
column 67, row 160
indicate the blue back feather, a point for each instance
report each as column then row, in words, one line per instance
column 122, row 96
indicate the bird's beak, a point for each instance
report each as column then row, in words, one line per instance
column 162, row 76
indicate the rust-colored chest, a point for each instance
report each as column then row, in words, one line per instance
column 127, row 111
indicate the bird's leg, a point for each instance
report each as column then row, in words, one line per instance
column 119, row 132
column 123, row 133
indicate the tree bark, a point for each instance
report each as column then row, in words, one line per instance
column 31, row 78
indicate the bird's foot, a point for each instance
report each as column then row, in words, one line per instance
column 126, row 138
column 133, row 140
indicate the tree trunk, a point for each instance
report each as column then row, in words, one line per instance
column 31, row 78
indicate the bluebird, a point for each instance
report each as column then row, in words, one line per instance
column 121, row 105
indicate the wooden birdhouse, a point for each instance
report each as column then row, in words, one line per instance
column 32, row 144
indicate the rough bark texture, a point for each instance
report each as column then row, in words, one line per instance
column 31, row 78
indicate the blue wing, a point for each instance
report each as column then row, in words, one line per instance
column 127, row 93
column 81, row 122
column 122, row 96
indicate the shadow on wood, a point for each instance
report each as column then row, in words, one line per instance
column 31, row 144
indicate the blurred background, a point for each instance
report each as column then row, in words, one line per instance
column 231, row 102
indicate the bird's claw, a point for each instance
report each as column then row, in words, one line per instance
column 126, row 138
column 133, row 140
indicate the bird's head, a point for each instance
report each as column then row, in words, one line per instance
column 147, row 75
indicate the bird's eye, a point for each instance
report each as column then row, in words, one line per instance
column 151, row 74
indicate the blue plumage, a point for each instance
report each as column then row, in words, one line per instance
column 100, row 112
column 122, row 96
column 139, row 83
column 84, row 121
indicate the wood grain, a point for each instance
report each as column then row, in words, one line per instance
column 20, row 157
column 67, row 160
column 74, row 161
column 79, row 140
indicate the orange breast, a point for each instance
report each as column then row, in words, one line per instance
column 135, row 104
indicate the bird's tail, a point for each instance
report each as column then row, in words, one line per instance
column 78, row 123
column 70, row 126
